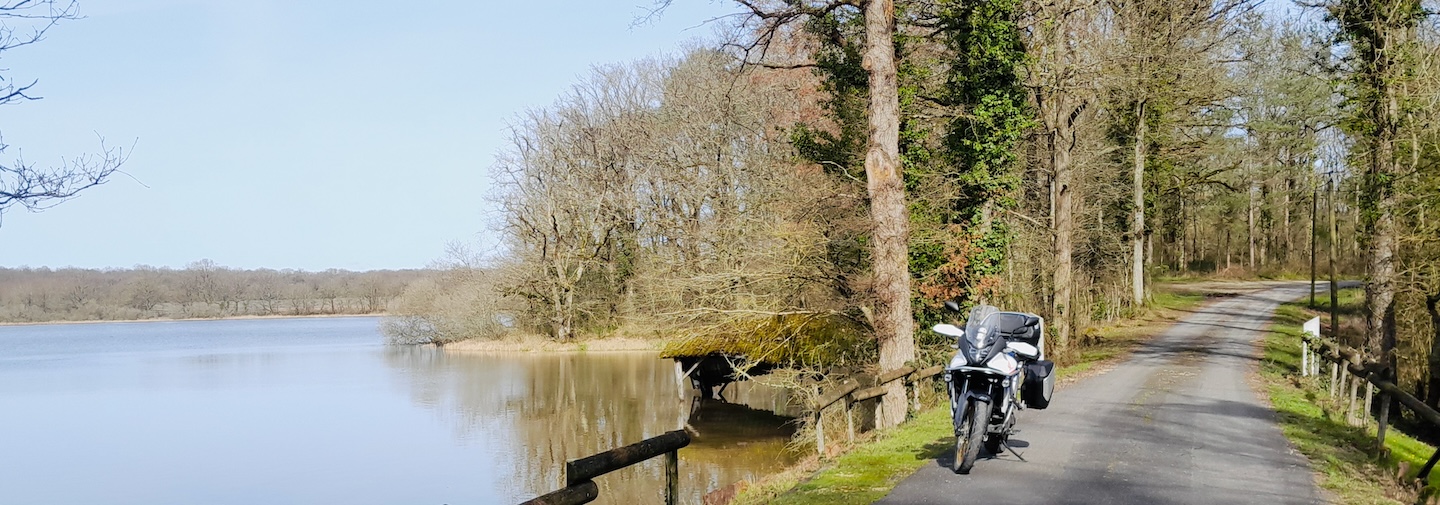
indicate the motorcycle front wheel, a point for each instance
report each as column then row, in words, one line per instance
column 971, row 435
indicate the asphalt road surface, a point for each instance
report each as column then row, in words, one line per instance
column 1179, row 422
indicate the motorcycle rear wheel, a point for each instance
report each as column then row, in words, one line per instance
column 971, row 435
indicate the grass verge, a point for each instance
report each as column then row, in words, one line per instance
column 868, row 471
column 1342, row 456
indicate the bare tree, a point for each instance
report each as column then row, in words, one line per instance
column 1064, row 85
column 772, row 21
column 22, row 183
column 1166, row 66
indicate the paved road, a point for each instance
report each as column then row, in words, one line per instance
column 1177, row 423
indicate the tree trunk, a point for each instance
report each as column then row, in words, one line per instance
column 561, row 333
column 1266, row 222
column 1286, row 241
column 1137, row 226
column 1183, row 265
column 1227, row 247
column 1432, row 393
column 1250, row 224
column 1064, row 237
column 894, row 325
column 1380, row 290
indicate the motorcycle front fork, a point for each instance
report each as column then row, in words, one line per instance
column 1002, row 416
column 1006, row 423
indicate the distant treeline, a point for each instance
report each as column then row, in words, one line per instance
column 202, row 289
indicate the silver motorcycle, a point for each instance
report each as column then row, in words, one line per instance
column 1000, row 367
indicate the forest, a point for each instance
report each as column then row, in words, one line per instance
column 203, row 289
column 815, row 181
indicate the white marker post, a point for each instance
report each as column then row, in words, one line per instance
column 1311, row 327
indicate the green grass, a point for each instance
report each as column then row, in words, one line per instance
column 871, row 470
column 1342, row 455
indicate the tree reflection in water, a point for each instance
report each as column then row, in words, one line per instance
column 539, row 410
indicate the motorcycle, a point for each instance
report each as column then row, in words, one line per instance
column 999, row 368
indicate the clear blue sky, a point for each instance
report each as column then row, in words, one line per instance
column 309, row 135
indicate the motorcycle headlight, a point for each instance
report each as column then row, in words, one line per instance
column 957, row 361
column 978, row 339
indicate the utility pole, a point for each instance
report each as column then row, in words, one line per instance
column 1334, row 286
column 1250, row 225
column 1314, row 233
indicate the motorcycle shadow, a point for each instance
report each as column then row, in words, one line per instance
column 946, row 451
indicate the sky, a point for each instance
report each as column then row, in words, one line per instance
column 305, row 135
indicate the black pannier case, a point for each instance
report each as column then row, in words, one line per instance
column 1039, row 384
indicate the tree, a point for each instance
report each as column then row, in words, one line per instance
column 1165, row 70
column 891, row 316
column 1284, row 104
column 1063, row 85
column 22, row 183
column 569, row 197
column 1380, row 38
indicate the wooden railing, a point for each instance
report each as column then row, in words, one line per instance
column 580, row 474
column 850, row 393
column 1346, row 368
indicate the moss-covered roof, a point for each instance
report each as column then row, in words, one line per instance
column 812, row 340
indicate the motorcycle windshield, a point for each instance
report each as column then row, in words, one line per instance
column 978, row 326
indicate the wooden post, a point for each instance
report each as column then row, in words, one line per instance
column 1384, row 422
column 680, row 376
column 1304, row 357
column 879, row 409
column 1429, row 465
column 820, row 432
column 1369, row 394
column 672, row 478
column 850, row 419
column 1354, row 393
column 915, row 386
column 1334, row 367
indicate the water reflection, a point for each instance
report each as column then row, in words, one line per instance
column 541, row 410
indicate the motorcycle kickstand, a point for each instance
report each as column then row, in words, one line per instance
column 1006, row 443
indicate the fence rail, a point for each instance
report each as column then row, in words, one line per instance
column 849, row 393
column 1346, row 367
column 580, row 474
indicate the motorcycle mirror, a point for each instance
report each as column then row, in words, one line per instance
column 950, row 304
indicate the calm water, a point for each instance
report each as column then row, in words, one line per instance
column 319, row 411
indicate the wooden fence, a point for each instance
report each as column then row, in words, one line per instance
column 850, row 393
column 580, row 474
column 1346, row 370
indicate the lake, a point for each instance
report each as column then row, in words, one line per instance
column 321, row 411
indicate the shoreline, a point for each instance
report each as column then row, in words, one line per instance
column 538, row 344
column 183, row 319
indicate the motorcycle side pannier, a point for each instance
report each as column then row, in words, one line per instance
column 1039, row 384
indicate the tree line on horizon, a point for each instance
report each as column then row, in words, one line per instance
column 203, row 289
column 1055, row 156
